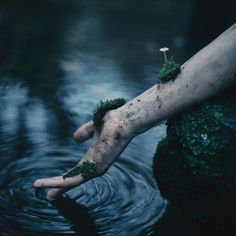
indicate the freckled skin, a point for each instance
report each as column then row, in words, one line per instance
column 213, row 65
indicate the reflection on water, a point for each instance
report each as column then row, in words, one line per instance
column 124, row 200
column 58, row 61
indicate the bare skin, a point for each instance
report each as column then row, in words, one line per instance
column 205, row 74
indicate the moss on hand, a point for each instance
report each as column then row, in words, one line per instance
column 104, row 107
column 87, row 169
column 169, row 71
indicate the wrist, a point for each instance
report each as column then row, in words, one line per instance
column 118, row 125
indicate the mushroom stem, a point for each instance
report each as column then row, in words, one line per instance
column 164, row 50
column 165, row 57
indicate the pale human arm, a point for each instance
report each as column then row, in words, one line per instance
column 204, row 75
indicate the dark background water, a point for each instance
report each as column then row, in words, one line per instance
column 58, row 59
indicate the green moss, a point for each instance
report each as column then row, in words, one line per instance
column 104, row 107
column 199, row 131
column 169, row 71
column 86, row 169
column 195, row 164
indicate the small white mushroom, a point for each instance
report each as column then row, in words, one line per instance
column 164, row 50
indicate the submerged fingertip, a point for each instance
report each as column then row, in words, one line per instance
column 50, row 198
column 53, row 194
column 74, row 135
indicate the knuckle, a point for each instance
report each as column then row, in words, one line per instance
column 114, row 126
column 101, row 168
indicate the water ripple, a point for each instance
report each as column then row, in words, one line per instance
column 123, row 200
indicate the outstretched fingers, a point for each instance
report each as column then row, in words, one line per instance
column 59, row 182
column 84, row 132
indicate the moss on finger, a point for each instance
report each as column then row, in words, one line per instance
column 87, row 169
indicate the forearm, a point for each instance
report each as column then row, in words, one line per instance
column 205, row 74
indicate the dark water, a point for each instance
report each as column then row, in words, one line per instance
column 58, row 60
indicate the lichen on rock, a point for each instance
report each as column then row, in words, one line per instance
column 199, row 131
column 195, row 165
column 104, row 107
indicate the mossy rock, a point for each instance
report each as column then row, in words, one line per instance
column 195, row 165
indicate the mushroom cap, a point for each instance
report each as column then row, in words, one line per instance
column 165, row 49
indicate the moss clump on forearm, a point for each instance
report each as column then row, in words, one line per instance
column 169, row 71
column 104, row 107
column 87, row 169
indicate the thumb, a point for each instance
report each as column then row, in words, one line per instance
column 84, row 132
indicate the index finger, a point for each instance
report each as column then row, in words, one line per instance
column 59, row 182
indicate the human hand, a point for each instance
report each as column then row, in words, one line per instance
column 108, row 143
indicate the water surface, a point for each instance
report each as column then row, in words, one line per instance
column 58, row 61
